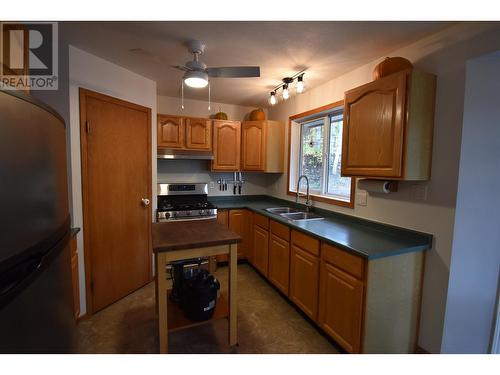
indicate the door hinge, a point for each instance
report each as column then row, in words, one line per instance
column 87, row 127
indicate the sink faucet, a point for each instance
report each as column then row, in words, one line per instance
column 308, row 200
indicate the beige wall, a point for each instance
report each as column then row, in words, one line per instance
column 199, row 108
column 443, row 54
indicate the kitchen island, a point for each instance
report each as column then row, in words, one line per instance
column 186, row 240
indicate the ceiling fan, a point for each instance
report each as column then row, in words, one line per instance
column 197, row 73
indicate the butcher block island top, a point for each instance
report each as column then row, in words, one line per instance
column 183, row 235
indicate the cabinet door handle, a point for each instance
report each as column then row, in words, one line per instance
column 145, row 201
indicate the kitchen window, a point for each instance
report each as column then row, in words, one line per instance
column 315, row 151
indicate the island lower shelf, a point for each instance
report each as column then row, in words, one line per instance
column 177, row 320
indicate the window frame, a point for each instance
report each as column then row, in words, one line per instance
column 292, row 121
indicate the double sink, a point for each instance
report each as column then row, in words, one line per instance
column 293, row 214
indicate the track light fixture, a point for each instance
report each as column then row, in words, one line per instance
column 285, row 86
column 299, row 87
column 286, row 94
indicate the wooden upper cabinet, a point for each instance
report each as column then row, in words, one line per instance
column 388, row 127
column 171, row 131
column 262, row 146
column 198, row 134
column 253, row 134
column 226, row 145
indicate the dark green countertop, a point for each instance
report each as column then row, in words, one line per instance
column 362, row 237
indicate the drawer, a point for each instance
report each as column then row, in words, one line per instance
column 349, row 263
column 305, row 242
column 280, row 230
column 261, row 221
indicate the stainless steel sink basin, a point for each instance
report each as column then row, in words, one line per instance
column 299, row 216
column 281, row 210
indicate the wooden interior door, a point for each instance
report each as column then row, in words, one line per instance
column 198, row 134
column 340, row 306
column 171, row 131
column 116, row 179
column 226, row 145
column 279, row 263
column 373, row 131
column 261, row 249
column 304, row 280
column 253, row 137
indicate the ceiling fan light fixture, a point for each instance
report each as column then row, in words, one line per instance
column 196, row 79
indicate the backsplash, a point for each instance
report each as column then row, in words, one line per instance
column 199, row 171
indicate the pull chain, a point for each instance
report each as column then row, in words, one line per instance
column 182, row 94
column 209, row 95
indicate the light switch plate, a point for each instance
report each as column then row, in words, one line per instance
column 362, row 198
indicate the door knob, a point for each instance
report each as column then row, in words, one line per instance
column 145, row 201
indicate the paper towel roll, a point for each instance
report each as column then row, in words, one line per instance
column 377, row 186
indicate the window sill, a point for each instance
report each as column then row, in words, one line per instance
column 323, row 199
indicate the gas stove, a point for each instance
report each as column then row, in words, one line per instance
column 184, row 202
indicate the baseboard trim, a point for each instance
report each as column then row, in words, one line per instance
column 82, row 318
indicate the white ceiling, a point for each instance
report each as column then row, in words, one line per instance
column 326, row 49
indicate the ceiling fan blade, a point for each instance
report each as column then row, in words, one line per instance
column 234, row 71
column 181, row 67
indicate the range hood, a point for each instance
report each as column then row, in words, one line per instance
column 184, row 154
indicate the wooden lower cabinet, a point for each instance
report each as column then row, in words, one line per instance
column 341, row 306
column 222, row 218
column 261, row 249
column 304, row 279
column 236, row 224
column 365, row 305
column 239, row 221
column 248, row 235
column 279, row 263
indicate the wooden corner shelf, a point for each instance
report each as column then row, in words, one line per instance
column 177, row 320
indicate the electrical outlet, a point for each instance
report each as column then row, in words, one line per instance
column 362, row 198
column 211, row 185
column 419, row 192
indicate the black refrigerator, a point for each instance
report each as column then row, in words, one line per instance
column 36, row 313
